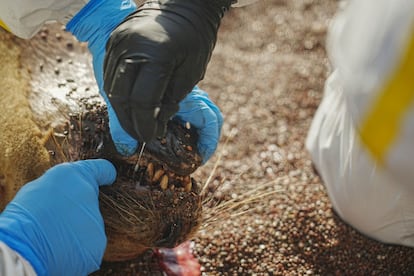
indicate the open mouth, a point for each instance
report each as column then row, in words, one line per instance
column 155, row 203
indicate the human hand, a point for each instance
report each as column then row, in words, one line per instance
column 95, row 23
column 155, row 57
column 54, row 222
column 203, row 114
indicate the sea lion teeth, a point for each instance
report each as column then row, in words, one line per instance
column 164, row 182
column 157, row 175
column 187, row 184
column 150, row 170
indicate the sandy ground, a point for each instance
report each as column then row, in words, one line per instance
column 267, row 74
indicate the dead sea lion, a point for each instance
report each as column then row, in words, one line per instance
column 53, row 113
column 157, row 206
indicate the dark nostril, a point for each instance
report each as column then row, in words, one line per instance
column 170, row 235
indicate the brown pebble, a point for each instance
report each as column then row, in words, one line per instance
column 43, row 35
column 69, row 46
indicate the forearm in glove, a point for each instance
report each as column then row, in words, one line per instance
column 155, row 57
column 54, row 222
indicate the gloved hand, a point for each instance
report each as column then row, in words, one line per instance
column 155, row 58
column 54, row 222
column 203, row 114
column 94, row 24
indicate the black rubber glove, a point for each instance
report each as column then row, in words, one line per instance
column 154, row 59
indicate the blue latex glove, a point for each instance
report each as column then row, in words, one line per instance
column 203, row 114
column 94, row 24
column 54, row 222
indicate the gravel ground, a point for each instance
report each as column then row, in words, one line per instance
column 267, row 75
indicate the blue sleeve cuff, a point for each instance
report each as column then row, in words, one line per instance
column 96, row 20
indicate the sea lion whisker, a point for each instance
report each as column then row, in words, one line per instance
column 123, row 212
column 226, row 210
column 205, row 185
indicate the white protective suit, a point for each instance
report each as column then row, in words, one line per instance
column 24, row 18
column 362, row 136
column 12, row 264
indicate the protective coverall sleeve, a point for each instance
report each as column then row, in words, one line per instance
column 11, row 263
column 25, row 17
